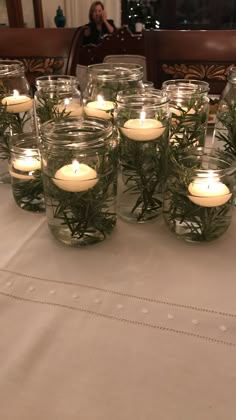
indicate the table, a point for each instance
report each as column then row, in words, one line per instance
column 139, row 327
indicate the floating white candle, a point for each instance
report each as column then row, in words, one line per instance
column 75, row 177
column 21, row 176
column 143, row 129
column 17, row 103
column 99, row 108
column 26, row 163
column 208, row 192
column 75, row 109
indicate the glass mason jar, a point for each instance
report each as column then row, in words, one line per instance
column 189, row 104
column 104, row 82
column 143, row 124
column 57, row 97
column 16, row 109
column 224, row 136
column 198, row 200
column 25, row 171
column 80, row 179
column 147, row 84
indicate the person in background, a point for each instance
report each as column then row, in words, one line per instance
column 98, row 25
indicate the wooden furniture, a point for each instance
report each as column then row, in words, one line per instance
column 122, row 41
column 206, row 55
column 43, row 51
column 15, row 13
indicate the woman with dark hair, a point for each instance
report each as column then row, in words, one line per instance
column 98, row 25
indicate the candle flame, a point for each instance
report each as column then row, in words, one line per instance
column 142, row 116
column 210, row 178
column 66, row 101
column 75, row 164
column 15, row 92
column 100, row 100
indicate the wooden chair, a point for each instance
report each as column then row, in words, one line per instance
column 42, row 51
column 193, row 54
column 120, row 42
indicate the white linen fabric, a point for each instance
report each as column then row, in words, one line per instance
column 139, row 327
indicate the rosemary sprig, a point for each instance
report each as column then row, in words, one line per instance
column 88, row 216
column 188, row 126
column 193, row 222
column 79, row 218
column 144, row 170
column 225, row 129
column 29, row 193
column 47, row 108
column 4, row 147
column 109, row 90
column 10, row 123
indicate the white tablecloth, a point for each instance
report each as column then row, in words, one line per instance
column 139, row 327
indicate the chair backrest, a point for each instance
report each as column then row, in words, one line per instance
column 128, row 58
column 76, row 43
column 193, row 54
column 121, row 41
column 82, row 75
column 43, row 51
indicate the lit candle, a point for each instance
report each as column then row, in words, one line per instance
column 99, row 108
column 70, row 106
column 75, row 177
column 27, row 163
column 143, row 129
column 17, row 103
column 209, row 192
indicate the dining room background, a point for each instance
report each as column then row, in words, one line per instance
column 76, row 12
column 153, row 14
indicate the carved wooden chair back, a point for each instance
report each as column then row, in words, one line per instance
column 194, row 54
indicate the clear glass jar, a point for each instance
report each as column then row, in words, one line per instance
column 189, row 104
column 147, row 84
column 57, row 97
column 16, row 109
column 25, row 171
column 141, row 90
column 200, row 192
column 143, row 124
column 80, row 179
column 104, row 82
column 224, row 136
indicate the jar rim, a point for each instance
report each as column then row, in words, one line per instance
column 71, row 132
column 147, row 98
column 55, row 80
column 232, row 74
column 207, row 156
column 188, row 84
column 20, row 141
column 11, row 68
column 116, row 71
